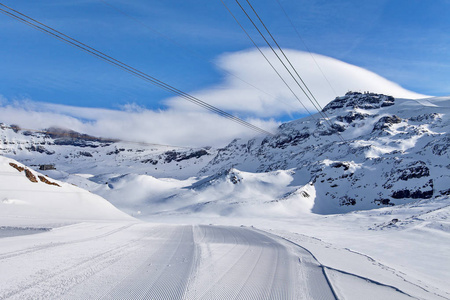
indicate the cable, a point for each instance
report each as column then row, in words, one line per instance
column 192, row 52
column 307, row 48
column 265, row 57
column 316, row 104
column 287, row 59
column 73, row 42
column 319, row 108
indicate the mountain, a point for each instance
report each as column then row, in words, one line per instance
column 72, row 152
column 363, row 151
column 394, row 151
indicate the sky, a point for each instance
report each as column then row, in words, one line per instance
column 397, row 47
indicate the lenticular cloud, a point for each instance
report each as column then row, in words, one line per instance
column 326, row 80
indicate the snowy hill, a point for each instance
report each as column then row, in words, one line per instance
column 395, row 151
column 27, row 195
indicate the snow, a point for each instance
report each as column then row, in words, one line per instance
column 142, row 260
column 285, row 226
column 24, row 199
column 276, row 259
column 312, row 257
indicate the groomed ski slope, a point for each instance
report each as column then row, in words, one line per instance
column 123, row 260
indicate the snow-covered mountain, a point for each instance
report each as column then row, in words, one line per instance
column 71, row 152
column 392, row 151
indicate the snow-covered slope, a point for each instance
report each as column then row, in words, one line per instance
column 28, row 195
column 393, row 151
column 72, row 153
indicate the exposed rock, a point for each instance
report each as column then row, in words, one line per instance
column 30, row 175
column 67, row 134
column 40, row 149
column 283, row 140
column 345, row 165
column 15, row 166
column 412, row 194
column 393, row 222
column 85, row 153
column 426, row 117
column 234, row 178
column 425, row 192
column 345, row 200
column 445, row 192
column 76, row 143
column 359, row 100
column 386, row 122
column 45, row 180
column 440, row 146
column 352, row 116
column 383, row 201
column 333, row 129
column 177, row 156
column 151, row 161
column 416, row 169
column 117, row 151
column 390, row 154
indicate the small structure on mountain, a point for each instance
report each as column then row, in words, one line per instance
column 46, row 167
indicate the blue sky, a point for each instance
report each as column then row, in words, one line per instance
column 404, row 41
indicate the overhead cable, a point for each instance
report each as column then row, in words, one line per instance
column 267, row 60
column 310, row 96
column 306, row 47
column 100, row 55
column 188, row 50
column 287, row 59
column 273, row 50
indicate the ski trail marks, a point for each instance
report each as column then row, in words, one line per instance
column 150, row 261
column 241, row 263
column 165, row 273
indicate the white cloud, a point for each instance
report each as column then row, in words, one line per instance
column 178, row 128
column 184, row 124
column 235, row 95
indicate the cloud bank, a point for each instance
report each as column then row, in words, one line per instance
column 184, row 124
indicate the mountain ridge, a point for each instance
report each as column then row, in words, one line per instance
column 402, row 144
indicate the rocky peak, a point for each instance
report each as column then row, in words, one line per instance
column 360, row 100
